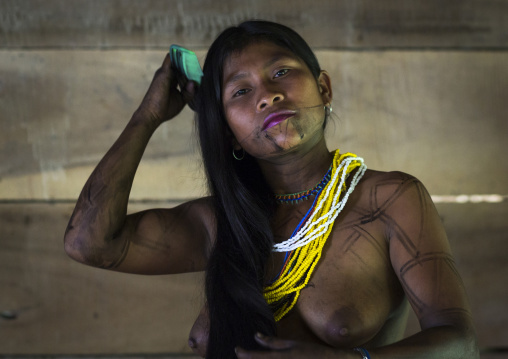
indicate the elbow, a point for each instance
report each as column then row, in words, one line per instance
column 73, row 249
column 83, row 249
column 79, row 245
column 86, row 244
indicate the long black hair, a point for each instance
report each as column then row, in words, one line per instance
column 242, row 199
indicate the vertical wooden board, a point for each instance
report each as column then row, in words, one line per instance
column 63, row 307
column 325, row 23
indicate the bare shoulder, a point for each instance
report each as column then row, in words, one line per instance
column 376, row 178
column 395, row 198
column 382, row 186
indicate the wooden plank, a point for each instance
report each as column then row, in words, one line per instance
column 484, row 355
column 478, row 238
column 102, row 356
column 62, row 307
column 78, row 106
column 501, row 354
column 325, row 24
column 437, row 115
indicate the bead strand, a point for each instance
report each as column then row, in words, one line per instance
column 307, row 243
column 298, row 197
column 333, row 205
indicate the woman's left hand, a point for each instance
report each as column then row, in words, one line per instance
column 280, row 349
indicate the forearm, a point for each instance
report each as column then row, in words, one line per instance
column 101, row 209
column 94, row 234
column 438, row 342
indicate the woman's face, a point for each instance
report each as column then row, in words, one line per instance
column 273, row 103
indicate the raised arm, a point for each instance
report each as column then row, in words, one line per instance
column 157, row 241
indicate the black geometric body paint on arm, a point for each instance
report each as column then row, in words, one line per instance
column 378, row 211
column 381, row 202
column 437, row 263
column 441, row 261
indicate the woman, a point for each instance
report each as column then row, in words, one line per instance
column 307, row 253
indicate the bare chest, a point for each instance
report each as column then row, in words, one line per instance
column 353, row 295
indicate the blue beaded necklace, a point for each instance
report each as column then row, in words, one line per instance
column 298, row 197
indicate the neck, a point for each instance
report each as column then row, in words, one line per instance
column 298, row 170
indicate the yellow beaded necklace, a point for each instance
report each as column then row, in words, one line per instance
column 308, row 242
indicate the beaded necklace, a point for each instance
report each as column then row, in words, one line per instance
column 305, row 246
column 297, row 197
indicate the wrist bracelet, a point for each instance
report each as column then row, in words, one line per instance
column 363, row 352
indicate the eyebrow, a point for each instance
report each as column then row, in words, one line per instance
column 242, row 74
column 238, row 76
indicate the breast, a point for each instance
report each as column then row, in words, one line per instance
column 346, row 305
column 348, row 327
column 338, row 324
column 198, row 336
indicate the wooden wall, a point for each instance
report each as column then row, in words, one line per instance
column 419, row 86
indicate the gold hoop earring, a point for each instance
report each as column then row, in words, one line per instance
column 239, row 158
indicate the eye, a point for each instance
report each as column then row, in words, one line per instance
column 282, row 72
column 240, row 92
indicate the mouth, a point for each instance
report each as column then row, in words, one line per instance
column 275, row 118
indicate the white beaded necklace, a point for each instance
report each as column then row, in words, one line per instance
column 306, row 234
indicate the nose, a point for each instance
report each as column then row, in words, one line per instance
column 269, row 98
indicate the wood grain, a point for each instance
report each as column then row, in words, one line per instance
column 419, row 86
column 465, row 24
column 477, row 234
column 62, row 307
column 437, row 115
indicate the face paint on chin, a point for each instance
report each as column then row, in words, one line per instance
column 299, row 129
column 305, row 126
column 282, row 144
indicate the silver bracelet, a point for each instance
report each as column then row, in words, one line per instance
column 363, row 352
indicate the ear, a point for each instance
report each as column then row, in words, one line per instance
column 325, row 87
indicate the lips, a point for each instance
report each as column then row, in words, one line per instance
column 275, row 118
